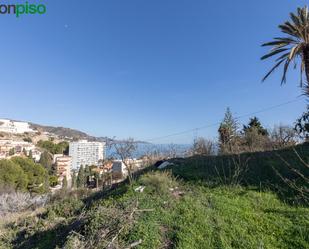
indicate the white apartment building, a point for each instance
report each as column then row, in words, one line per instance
column 86, row 153
column 10, row 126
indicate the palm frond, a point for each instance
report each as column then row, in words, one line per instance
column 273, row 69
column 273, row 53
column 296, row 29
column 275, row 43
column 286, row 39
column 284, row 56
column 285, row 69
column 293, row 47
column 289, row 29
column 294, row 51
column 295, row 19
column 303, row 14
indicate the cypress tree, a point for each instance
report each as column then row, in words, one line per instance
column 81, row 179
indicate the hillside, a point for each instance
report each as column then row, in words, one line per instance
column 62, row 132
column 192, row 210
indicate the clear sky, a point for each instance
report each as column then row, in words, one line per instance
column 144, row 68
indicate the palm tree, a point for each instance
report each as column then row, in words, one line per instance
column 292, row 48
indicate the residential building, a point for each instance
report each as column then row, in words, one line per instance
column 20, row 148
column 10, row 126
column 36, row 155
column 120, row 170
column 63, row 166
column 86, row 153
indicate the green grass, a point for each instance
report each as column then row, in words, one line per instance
column 203, row 217
column 194, row 214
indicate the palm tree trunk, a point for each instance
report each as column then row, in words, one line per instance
column 306, row 62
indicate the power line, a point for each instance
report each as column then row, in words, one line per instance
column 218, row 123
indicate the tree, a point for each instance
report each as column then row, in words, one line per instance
column 293, row 47
column 74, row 180
column 254, row 137
column 302, row 125
column 51, row 147
column 36, row 174
column 81, row 178
column 228, row 133
column 12, row 176
column 47, row 162
column 283, row 136
column 63, row 148
column 253, row 140
column 125, row 151
column 255, row 123
column 202, row 146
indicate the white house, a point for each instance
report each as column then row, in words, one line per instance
column 120, row 170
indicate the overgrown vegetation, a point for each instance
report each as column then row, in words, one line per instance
column 194, row 210
column 263, row 170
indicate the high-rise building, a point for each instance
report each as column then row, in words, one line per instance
column 86, row 153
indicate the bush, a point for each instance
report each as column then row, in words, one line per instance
column 17, row 201
column 159, row 182
column 53, row 181
column 73, row 242
column 67, row 193
column 66, row 208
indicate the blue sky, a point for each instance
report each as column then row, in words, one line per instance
column 144, row 68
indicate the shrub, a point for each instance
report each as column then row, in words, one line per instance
column 67, row 193
column 53, row 181
column 66, row 208
column 17, row 201
column 159, row 182
column 73, row 242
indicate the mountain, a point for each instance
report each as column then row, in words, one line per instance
column 9, row 128
column 63, row 132
column 73, row 134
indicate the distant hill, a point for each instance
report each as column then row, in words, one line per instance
column 73, row 134
column 63, row 132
